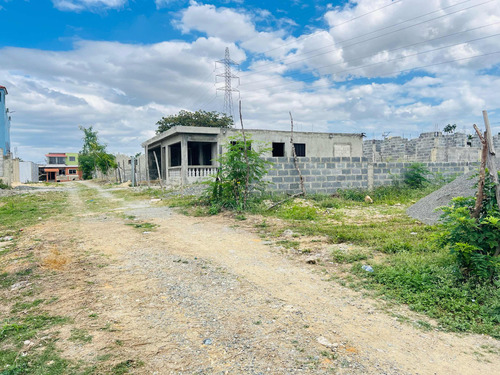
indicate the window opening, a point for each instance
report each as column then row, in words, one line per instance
column 300, row 149
column 278, row 149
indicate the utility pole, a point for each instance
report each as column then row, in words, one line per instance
column 228, row 77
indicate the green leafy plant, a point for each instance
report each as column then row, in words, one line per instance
column 475, row 242
column 415, row 176
column 228, row 188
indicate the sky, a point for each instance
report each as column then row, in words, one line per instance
column 392, row 67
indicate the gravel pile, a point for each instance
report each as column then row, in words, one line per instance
column 427, row 209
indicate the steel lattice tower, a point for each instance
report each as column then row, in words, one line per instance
column 228, row 77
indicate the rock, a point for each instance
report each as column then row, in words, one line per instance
column 19, row 285
column 312, row 260
column 323, row 341
column 288, row 233
column 207, row 342
column 368, row 199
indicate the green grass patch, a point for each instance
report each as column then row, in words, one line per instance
column 20, row 211
column 297, row 212
column 18, row 330
column 138, row 193
column 287, row 244
column 46, row 362
column 349, row 256
column 26, row 306
column 125, row 366
column 9, row 279
column 430, row 283
column 388, row 194
column 80, row 336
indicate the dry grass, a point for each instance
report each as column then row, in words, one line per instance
column 55, row 260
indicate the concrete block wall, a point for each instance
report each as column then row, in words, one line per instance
column 327, row 175
column 428, row 147
column 6, row 168
column 321, row 175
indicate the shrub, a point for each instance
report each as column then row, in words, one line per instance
column 228, row 188
column 475, row 242
column 415, row 175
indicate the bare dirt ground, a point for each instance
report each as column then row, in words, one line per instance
column 199, row 295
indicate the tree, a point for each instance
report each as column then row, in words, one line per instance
column 93, row 156
column 198, row 118
column 450, row 128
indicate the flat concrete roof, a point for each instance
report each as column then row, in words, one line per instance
column 214, row 131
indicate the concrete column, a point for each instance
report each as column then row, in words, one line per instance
column 167, row 164
column 370, row 176
column 184, row 160
column 146, row 167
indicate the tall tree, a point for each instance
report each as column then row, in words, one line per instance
column 199, row 118
column 93, row 156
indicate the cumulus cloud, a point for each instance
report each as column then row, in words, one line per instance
column 79, row 5
column 328, row 84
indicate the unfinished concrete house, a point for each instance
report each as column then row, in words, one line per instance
column 186, row 154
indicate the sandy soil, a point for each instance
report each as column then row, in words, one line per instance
column 203, row 296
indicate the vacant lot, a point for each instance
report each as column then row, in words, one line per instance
column 105, row 281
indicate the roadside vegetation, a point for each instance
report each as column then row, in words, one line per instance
column 32, row 326
column 377, row 248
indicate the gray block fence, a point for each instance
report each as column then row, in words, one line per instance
column 327, row 175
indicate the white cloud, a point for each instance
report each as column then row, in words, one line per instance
column 79, row 5
column 123, row 89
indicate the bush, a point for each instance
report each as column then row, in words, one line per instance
column 474, row 242
column 415, row 175
column 228, row 189
column 3, row 186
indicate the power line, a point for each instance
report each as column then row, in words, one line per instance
column 395, row 49
column 390, row 73
column 340, row 24
column 369, row 39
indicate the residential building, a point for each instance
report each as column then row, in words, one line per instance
column 4, row 122
column 187, row 154
column 61, row 167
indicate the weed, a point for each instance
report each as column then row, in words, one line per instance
column 20, row 330
column 143, row 226
column 297, row 212
column 7, row 279
column 263, row 224
column 287, row 244
column 104, row 357
column 80, row 335
column 125, row 366
column 429, row 283
column 348, row 256
column 26, row 306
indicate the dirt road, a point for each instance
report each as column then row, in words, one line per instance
column 198, row 295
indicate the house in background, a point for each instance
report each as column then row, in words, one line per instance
column 4, row 122
column 60, row 167
column 187, row 154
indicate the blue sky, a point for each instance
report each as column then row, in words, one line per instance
column 373, row 66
